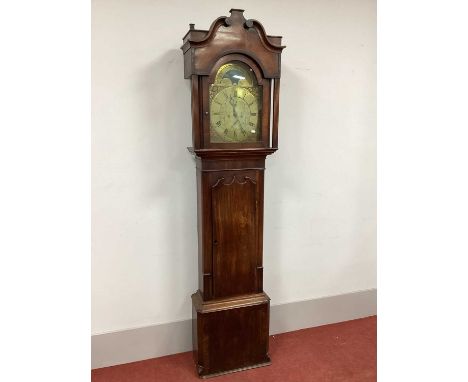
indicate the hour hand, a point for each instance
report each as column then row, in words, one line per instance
column 233, row 102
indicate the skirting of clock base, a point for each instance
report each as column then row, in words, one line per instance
column 230, row 335
column 236, row 370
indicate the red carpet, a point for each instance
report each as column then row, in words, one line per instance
column 331, row 353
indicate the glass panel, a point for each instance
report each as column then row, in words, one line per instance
column 235, row 105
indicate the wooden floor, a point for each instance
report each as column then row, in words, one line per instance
column 344, row 352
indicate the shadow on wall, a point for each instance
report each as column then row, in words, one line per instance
column 168, row 173
column 285, row 171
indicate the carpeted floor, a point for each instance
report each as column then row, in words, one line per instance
column 343, row 352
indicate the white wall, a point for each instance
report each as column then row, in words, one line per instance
column 320, row 188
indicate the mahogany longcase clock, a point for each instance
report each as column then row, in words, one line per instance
column 235, row 71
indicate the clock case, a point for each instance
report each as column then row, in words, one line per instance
column 230, row 308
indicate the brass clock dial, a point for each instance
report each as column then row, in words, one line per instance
column 235, row 105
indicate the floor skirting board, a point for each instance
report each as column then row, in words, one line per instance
column 132, row 345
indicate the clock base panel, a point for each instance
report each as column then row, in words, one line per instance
column 230, row 335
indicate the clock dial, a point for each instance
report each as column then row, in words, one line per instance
column 235, row 105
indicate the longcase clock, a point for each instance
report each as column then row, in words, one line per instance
column 234, row 68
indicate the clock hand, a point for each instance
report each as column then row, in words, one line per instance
column 233, row 102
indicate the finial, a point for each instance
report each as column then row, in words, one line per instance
column 236, row 16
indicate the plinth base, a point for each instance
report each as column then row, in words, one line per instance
column 236, row 370
column 230, row 335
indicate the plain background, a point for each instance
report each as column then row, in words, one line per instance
column 320, row 187
column 45, row 194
